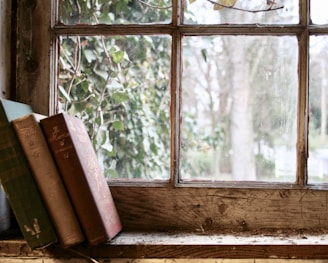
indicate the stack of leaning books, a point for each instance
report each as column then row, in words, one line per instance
column 52, row 179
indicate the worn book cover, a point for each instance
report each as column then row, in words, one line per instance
column 18, row 182
column 83, row 177
column 48, row 179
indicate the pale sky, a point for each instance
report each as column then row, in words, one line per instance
column 318, row 11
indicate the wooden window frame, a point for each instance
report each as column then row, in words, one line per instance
column 172, row 206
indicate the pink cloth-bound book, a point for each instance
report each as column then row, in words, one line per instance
column 83, row 177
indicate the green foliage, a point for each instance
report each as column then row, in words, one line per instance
column 264, row 166
column 199, row 148
column 114, row 12
column 119, row 86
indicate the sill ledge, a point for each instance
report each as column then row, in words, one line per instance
column 185, row 245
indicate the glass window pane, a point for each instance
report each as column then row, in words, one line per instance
column 318, row 12
column 115, row 12
column 119, row 86
column 205, row 12
column 239, row 108
column 318, row 143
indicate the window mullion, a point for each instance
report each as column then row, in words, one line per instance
column 304, row 12
column 302, row 143
column 176, row 70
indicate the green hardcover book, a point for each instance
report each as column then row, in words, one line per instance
column 18, row 182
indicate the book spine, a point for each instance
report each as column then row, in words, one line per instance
column 48, row 180
column 21, row 190
column 94, row 175
column 70, row 168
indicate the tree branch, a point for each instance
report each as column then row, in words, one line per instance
column 270, row 8
column 153, row 6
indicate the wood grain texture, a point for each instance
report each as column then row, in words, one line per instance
column 130, row 260
column 206, row 210
column 34, row 73
column 189, row 246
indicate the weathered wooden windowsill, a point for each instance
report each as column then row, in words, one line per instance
column 186, row 245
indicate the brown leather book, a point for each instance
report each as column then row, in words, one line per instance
column 48, row 179
column 83, row 177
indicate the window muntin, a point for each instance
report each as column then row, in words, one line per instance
column 239, row 108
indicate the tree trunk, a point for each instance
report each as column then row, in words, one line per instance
column 243, row 161
column 323, row 104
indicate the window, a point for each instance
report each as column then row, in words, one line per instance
column 199, row 110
